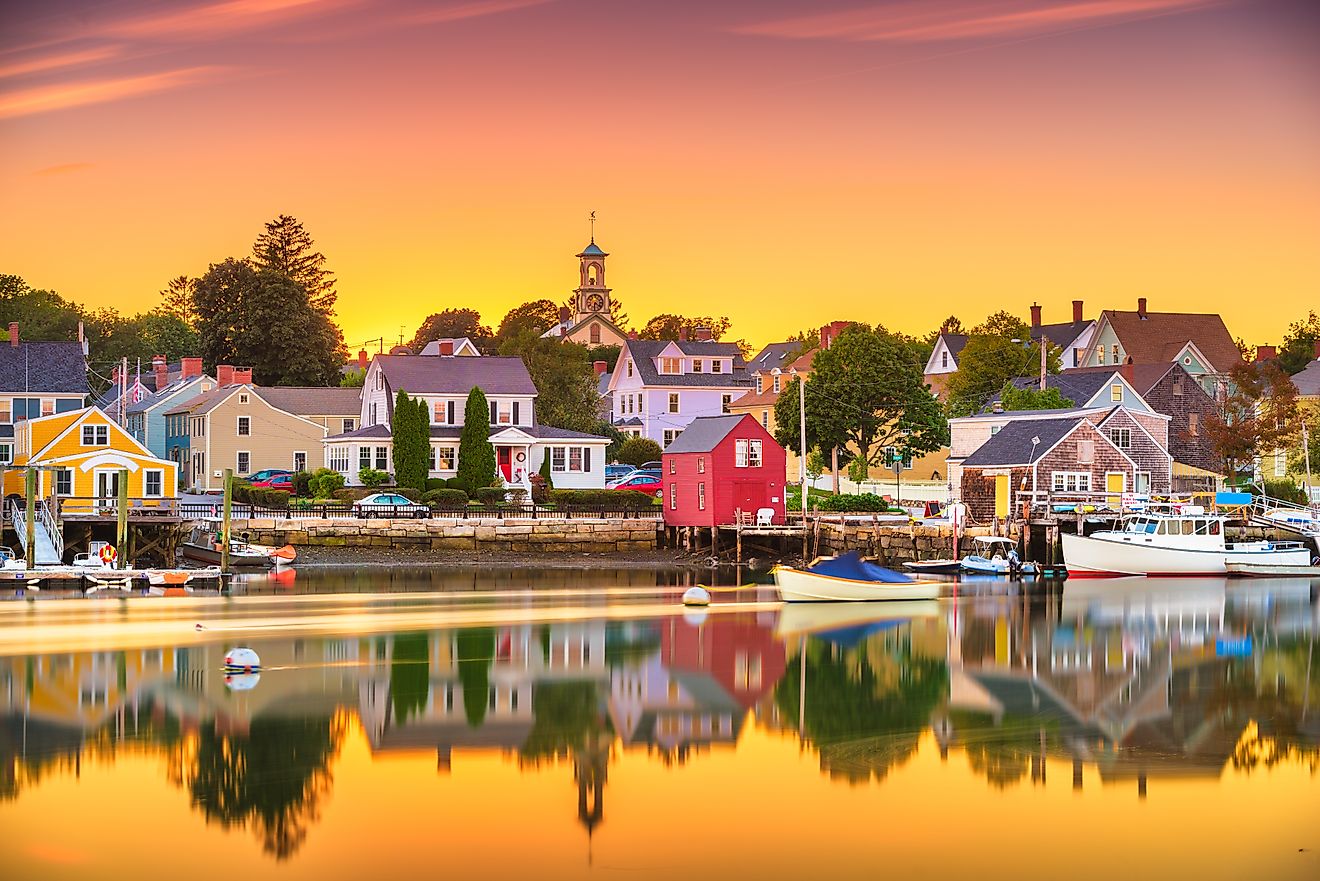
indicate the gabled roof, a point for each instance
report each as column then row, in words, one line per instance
column 420, row 375
column 1062, row 334
column 43, row 367
column 1160, row 336
column 203, row 403
column 454, row 432
column 1142, row 377
column 705, row 433
column 644, row 353
column 772, row 356
column 433, row 347
column 1308, row 380
column 1078, row 385
column 313, row 400
column 1012, row 445
column 155, row 399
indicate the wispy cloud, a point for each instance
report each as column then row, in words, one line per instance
column 65, row 95
column 58, row 61
column 65, row 168
column 924, row 21
column 211, row 20
column 457, row 11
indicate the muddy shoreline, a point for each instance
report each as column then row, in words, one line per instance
column 327, row 557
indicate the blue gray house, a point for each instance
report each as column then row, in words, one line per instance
column 38, row 378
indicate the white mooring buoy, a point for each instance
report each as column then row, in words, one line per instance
column 242, row 660
column 696, row 596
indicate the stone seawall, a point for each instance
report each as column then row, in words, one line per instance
column 893, row 545
column 526, row 536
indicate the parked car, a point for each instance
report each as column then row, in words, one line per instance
column 651, row 466
column 617, row 472
column 386, row 504
column 265, row 474
column 644, row 482
column 275, row 481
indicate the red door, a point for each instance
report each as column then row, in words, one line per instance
column 506, row 461
column 748, row 495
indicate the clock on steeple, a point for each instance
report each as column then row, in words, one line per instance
column 591, row 296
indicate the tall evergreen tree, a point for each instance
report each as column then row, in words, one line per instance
column 287, row 248
column 476, row 456
column 177, row 299
column 412, row 441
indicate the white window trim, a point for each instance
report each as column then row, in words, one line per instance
column 238, row 469
column 296, row 454
column 238, row 426
column 95, row 429
column 147, row 472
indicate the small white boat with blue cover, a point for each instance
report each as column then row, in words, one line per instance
column 849, row 578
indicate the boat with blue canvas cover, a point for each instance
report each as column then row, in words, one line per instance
column 849, row 578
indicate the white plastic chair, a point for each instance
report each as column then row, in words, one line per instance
column 765, row 516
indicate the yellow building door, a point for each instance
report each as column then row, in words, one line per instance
column 1115, row 482
column 1001, row 495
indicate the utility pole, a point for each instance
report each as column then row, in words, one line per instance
column 1306, row 457
column 226, row 514
column 802, row 442
column 1044, row 348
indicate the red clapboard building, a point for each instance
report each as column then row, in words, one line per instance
column 719, row 465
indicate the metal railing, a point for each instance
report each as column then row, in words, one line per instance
column 348, row 510
column 46, row 520
column 74, row 506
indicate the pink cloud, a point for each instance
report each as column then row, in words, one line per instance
column 213, row 19
column 65, row 95
column 65, row 168
column 55, row 62
column 476, row 9
column 920, row 22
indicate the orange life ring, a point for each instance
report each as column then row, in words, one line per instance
column 108, row 554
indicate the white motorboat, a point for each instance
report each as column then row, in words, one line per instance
column 992, row 557
column 1272, row 570
column 1172, row 544
column 849, row 579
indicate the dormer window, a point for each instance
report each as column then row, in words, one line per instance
column 630, row 369
column 776, row 384
column 760, row 385
column 717, row 366
column 1115, row 353
column 696, row 365
column 95, row 435
column 944, row 360
column 671, row 365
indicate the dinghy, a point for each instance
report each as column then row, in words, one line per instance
column 992, row 557
column 849, row 578
column 939, row 567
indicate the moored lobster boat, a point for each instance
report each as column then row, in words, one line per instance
column 203, row 546
column 849, row 578
column 1187, row 543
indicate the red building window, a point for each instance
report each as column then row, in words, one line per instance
column 701, row 496
column 673, row 496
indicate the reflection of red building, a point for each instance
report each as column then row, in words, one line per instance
column 739, row 654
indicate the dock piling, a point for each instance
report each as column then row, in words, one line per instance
column 121, row 518
column 227, row 515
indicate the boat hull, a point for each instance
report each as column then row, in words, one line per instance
column 1270, row 570
column 1090, row 556
column 796, row 586
column 941, row 567
column 236, row 558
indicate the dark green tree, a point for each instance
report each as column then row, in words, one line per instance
column 353, row 378
column 545, row 473
column 411, row 431
column 986, row 363
column 475, row 648
column 453, row 324
column 637, row 451
column 1298, row 347
column 535, row 316
column 476, row 456
column 667, row 326
column 617, row 438
column 41, row 315
column 1004, row 324
column 263, row 319
column 1032, row 398
column 177, row 299
column 287, row 248
column 866, row 392
column 566, row 394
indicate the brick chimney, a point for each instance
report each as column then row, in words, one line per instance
column 829, row 331
column 1077, row 312
column 446, row 348
column 1035, row 316
column 161, row 368
column 190, row 367
column 600, row 367
column 1266, row 353
column 702, row 333
column 363, row 359
column 1129, row 372
column 13, row 334
column 1141, row 308
column 682, row 334
column 632, row 334
column 224, row 374
column 242, row 375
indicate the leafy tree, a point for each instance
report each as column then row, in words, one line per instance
column 354, row 378
column 566, row 393
column 263, row 319
column 637, row 451
column 866, row 392
column 806, row 341
column 545, row 473
column 536, row 316
column 1032, row 398
column 286, row 248
column 667, row 327
column 41, row 315
column 985, row 364
column 1296, row 461
column 411, row 431
column 475, row 648
column 608, row 354
column 604, row 428
column 372, row 478
column 1258, row 416
column 1003, row 324
column 476, row 455
column 177, row 299
column 452, row 324
column 1298, row 347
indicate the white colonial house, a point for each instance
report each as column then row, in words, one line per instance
column 577, row 461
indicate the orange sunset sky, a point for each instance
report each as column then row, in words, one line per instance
column 781, row 162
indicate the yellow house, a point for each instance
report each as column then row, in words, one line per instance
column 81, row 454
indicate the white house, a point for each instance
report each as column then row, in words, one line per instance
column 577, row 461
column 660, row 386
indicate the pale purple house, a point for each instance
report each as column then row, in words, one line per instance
column 659, row 387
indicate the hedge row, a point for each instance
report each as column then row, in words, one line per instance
column 868, row 502
column 611, row 499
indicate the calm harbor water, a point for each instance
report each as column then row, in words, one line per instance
column 560, row 723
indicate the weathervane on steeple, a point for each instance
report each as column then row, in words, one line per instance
column 593, row 226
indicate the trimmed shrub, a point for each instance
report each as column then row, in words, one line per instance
column 352, row 493
column 302, row 483
column 434, row 483
column 544, row 473
column 446, row 499
column 323, row 483
column 265, row 498
column 490, row 496
column 637, row 451
column 476, row 456
column 866, row 502
column 412, row 495
column 608, row 499
column 517, row 496
column 371, row 478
